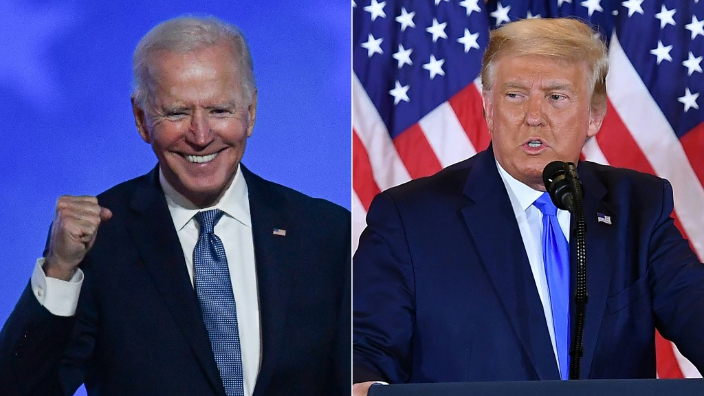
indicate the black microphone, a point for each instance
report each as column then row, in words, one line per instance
column 557, row 177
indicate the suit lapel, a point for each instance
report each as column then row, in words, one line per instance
column 157, row 242
column 493, row 227
column 599, row 260
column 271, row 252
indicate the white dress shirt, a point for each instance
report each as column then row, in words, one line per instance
column 235, row 231
column 530, row 223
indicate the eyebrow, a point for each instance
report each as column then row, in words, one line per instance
column 175, row 108
column 228, row 104
column 566, row 86
column 560, row 86
column 181, row 107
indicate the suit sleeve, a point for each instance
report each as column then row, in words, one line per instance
column 32, row 343
column 677, row 283
column 45, row 354
column 383, row 299
column 342, row 344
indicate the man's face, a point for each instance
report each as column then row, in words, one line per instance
column 539, row 111
column 197, row 120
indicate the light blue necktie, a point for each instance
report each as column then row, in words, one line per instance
column 556, row 257
column 217, row 303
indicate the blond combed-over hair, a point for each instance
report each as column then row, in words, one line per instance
column 559, row 38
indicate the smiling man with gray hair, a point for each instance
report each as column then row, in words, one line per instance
column 198, row 278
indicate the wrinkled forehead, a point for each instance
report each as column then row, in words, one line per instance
column 161, row 62
column 205, row 68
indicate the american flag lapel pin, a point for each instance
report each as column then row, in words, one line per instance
column 602, row 218
column 279, row 232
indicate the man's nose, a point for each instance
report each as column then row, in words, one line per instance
column 200, row 133
column 534, row 110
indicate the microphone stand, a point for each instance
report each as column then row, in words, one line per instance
column 577, row 344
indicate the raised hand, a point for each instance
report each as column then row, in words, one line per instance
column 73, row 233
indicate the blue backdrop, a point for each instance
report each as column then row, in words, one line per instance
column 66, row 121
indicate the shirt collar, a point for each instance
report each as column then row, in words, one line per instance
column 234, row 203
column 521, row 196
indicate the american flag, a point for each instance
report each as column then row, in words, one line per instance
column 417, row 98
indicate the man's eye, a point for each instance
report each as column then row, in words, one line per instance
column 557, row 97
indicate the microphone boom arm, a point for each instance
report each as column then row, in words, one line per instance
column 577, row 343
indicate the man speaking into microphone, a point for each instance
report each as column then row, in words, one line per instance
column 469, row 275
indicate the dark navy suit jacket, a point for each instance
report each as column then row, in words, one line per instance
column 138, row 328
column 444, row 292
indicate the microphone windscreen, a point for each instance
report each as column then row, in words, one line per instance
column 551, row 171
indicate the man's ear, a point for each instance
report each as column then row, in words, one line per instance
column 596, row 118
column 140, row 119
column 488, row 109
column 252, row 114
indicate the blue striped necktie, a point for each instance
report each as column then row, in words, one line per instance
column 217, row 303
column 556, row 258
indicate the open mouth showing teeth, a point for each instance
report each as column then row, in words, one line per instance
column 534, row 143
column 200, row 159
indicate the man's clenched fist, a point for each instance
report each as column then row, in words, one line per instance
column 73, row 233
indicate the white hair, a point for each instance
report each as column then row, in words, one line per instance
column 185, row 34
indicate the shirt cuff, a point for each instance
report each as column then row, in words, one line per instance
column 57, row 296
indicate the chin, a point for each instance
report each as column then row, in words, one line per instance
column 196, row 190
column 535, row 169
column 200, row 190
column 532, row 176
